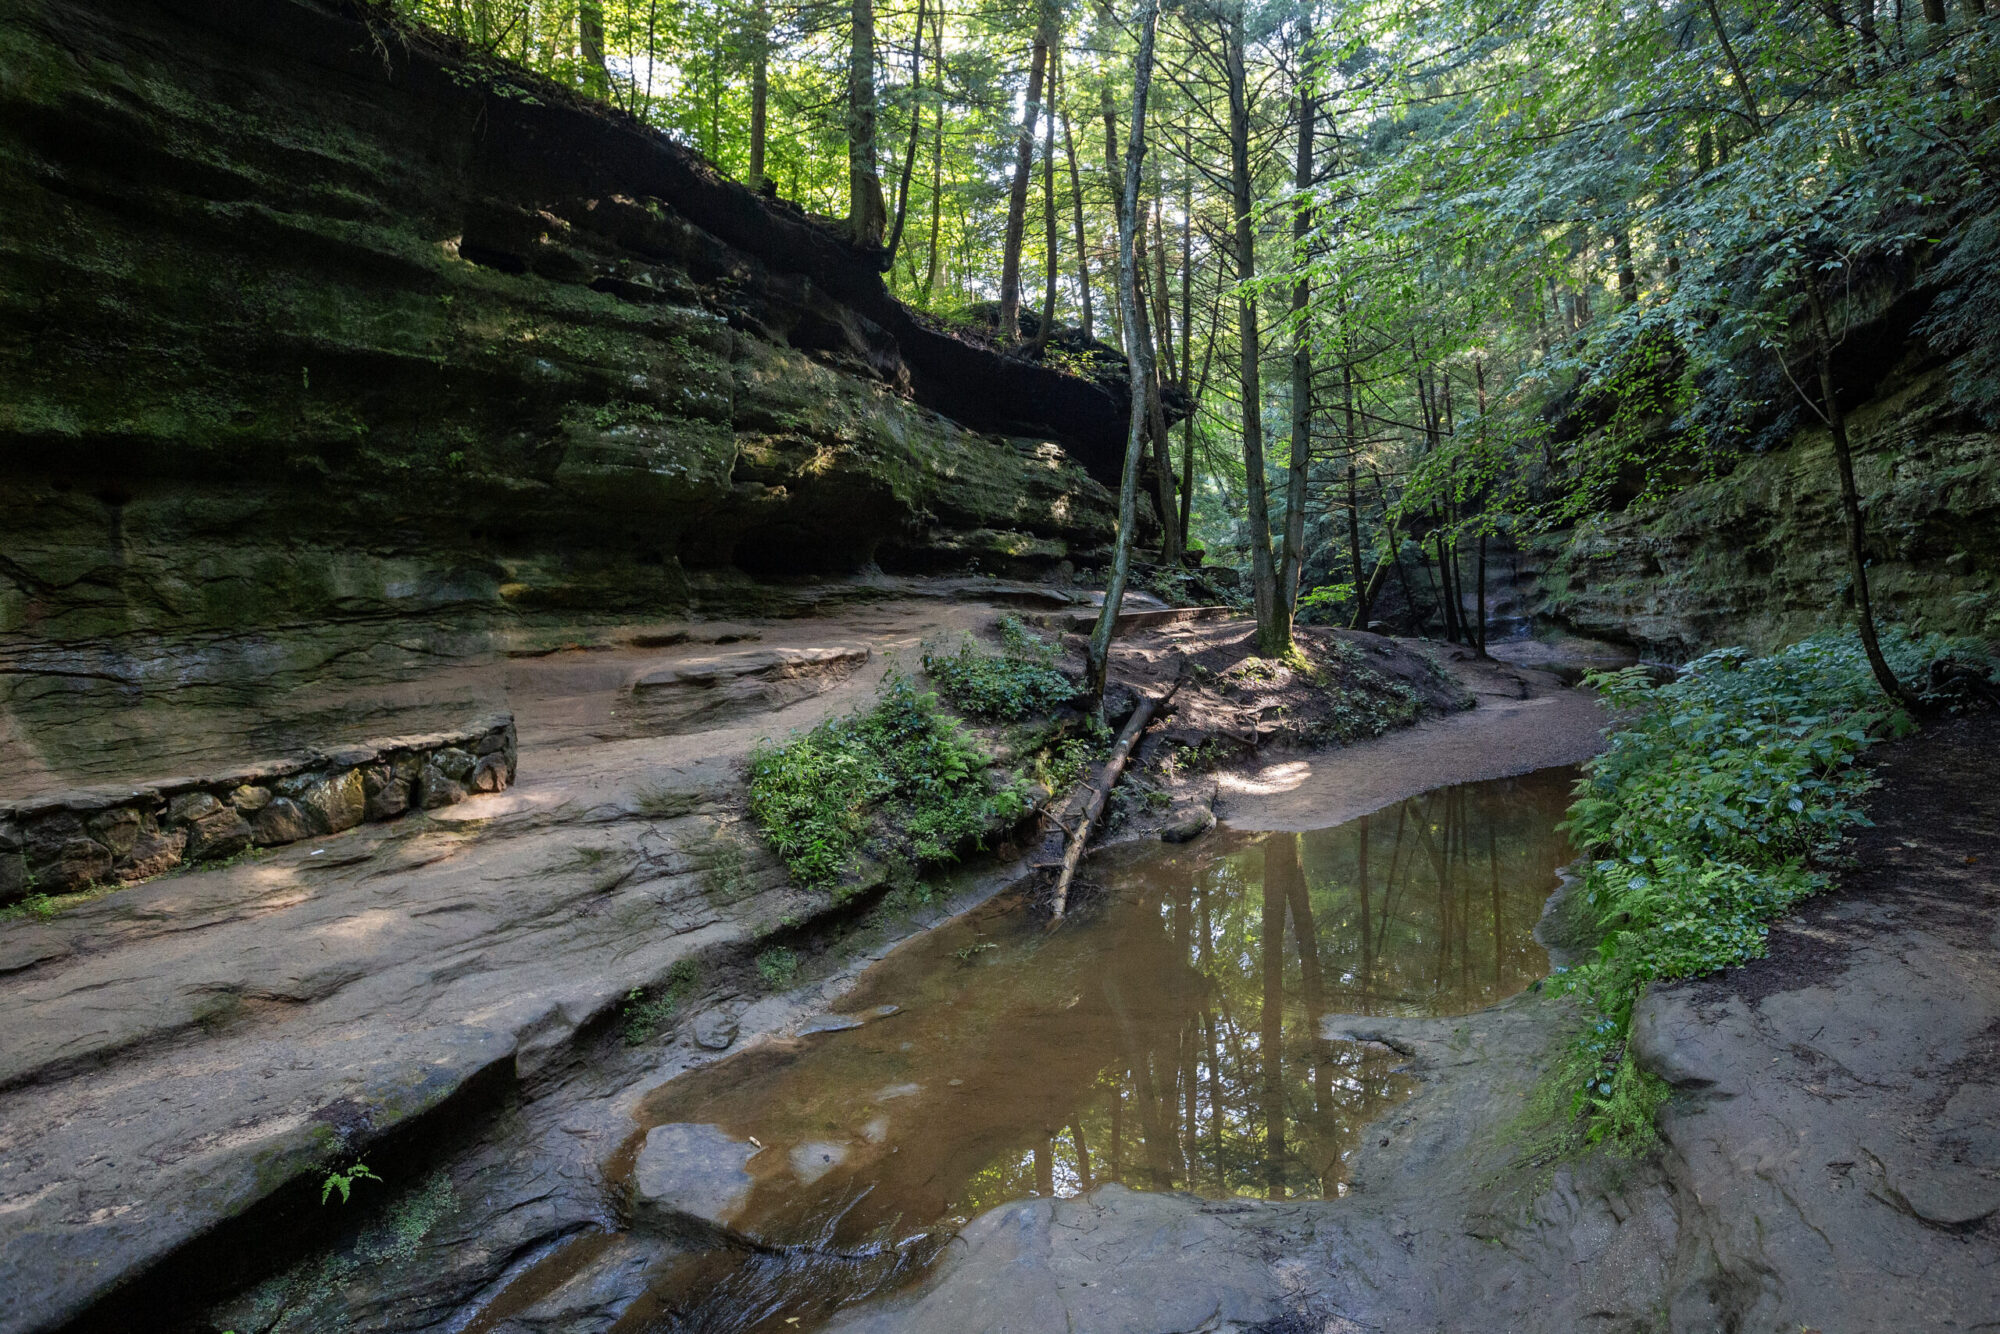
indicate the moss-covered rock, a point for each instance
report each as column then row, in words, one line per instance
column 1759, row 557
column 297, row 327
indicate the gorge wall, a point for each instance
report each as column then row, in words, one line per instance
column 1758, row 557
column 307, row 319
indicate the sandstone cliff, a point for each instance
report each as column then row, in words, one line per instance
column 1758, row 556
column 308, row 319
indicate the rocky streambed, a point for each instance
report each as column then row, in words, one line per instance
column 559, row 1024
column 468, row 999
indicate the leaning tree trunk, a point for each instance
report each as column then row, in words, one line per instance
column 1850, row 506
column 916, row 130
column 1138, row 362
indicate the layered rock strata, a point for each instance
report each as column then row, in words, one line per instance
column 305, row 320
column 1759, row 557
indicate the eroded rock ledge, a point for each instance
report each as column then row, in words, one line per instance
column 68, row 841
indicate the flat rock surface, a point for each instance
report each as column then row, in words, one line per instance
column 1114, row 1261
column 183, row 1049
column 693, row 1176
column 1836, row 1144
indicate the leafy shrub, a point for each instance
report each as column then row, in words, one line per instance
column 1707, row 817
column 902, row 765
column 1021, row 680
column 779, row 967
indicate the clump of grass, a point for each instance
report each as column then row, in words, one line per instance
column 645, row 1015
column 779, row 967
column 1020, row 681
column 1709, row 815
column 900, row 771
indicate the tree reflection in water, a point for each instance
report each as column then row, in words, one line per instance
column 1169, row 1038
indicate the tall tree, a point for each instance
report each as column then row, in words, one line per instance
column 1024, row 170
column 1274, row 627
column 1138, row 360
column 867, row 212
column 760, row 88
column 916, row 131
column 1292, row 563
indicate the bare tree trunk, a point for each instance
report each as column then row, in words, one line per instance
column 1187, row 357
column 1354, row 547
column 867, row 214
column 1024, row 170
column 1156, row 420
column 590, row 36
column 1291, row 565
column 1850, row 505
column 937, row 155
column 1138, row 361
column 1082, row 243
column 916, row 129
column 1274, row 630
column 1113, row 175
column 1048, row 323
column 760, row 89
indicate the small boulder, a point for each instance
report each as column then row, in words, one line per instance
column 153, row 853
column 490, row 774
column 282, row 821
column 715, row 1030
column 218, row 834
column 117, row 829
column 387, row 791
column 191, row 806
column 690, row 1179
column 455, row 764
column 336, row 802
column 250, row 798
column 1187, row 823
column 435, row 788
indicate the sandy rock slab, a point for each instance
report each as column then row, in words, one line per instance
column 1114, row 1261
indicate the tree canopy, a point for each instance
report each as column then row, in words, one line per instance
column 1427, row 271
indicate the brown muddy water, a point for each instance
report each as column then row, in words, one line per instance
column 1167, row 1038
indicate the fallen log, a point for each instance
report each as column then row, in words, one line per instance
column 1099, row 791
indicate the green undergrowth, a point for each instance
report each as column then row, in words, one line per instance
column 1021, row 680
column 1713, row 811
column 900, row 780
column 645, row 1015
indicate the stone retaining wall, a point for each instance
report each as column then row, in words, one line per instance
column 68, row 840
